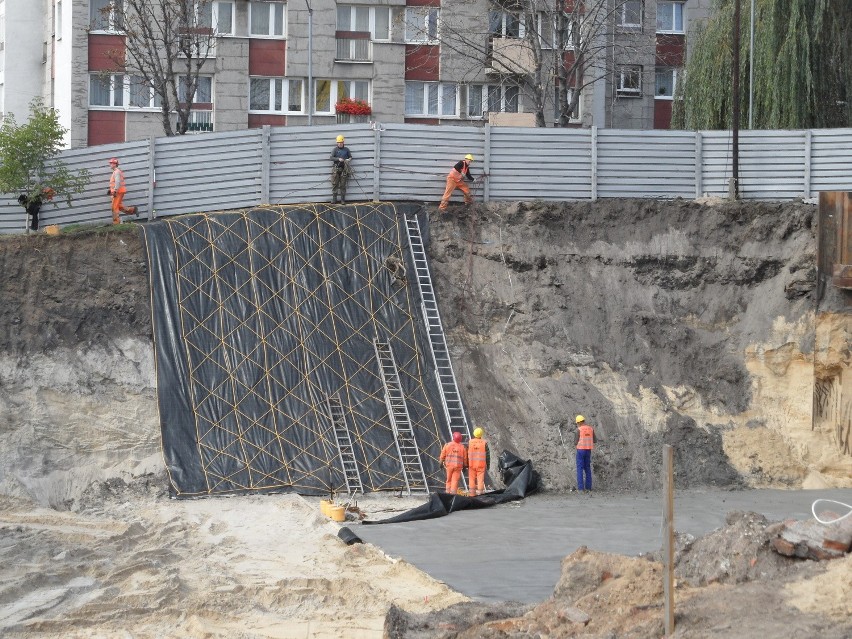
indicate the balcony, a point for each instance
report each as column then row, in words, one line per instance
column 511, row 56
column 353, row 46
column 199, row 122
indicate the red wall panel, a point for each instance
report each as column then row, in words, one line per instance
column 422, row 62
column 106, row 127
column 255, row 121
column 266, row 57
column 423, row 3
column 663, row 114
column 671, row 50
column 99, row 46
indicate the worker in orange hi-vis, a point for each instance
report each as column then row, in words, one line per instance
column 456, row 180
column 478, row 460
column 117, row 189
column 454, row 460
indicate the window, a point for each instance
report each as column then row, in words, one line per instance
column 203, row 91
column 106, row 14
column 629, row 14
column 276, row 95
column 670, row 17
column 329, row 92
column 266, row 19
column 375, row 20
column 547, row 26
column 106, row 90
column 421, row 24
column 575, row 114
column 504, row 24
column 666, row 80
column 491, row 98
column 141, row 95
column 431, row 99
column 629, row 81
column 218, row 16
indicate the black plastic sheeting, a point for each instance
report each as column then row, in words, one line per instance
column 520, row 480
column 259, row 317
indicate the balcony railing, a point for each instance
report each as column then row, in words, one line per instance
column 353, row 46
column 199, row 121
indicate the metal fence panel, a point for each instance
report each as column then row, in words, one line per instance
column 542, row 164
column 300, row 164
column 831, row 160
column 415, row 159
column 210, row 172
column 646, row 164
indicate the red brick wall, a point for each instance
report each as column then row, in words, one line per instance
column 422, row 62
column 99, row 46
column 255, row 121
column 266, row 57
column 106, row 127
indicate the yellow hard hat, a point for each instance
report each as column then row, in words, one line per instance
column 580, row 418
column 469, row 157
column 340, row 138
column 477, row 432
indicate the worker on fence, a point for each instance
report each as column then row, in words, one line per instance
column 584, row 440
column 341, row 156
column 478, row 461
column 456, row 180
column 32, row 204
column 117, row 189
column 454, row 460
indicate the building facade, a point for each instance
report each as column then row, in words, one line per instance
column 464, row 62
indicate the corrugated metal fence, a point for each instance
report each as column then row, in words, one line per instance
column 285, row 165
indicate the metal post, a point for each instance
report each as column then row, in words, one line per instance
column 668, row 538
column 733, row 188
column 751, row 70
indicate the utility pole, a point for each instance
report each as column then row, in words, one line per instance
column 751, row 69
column 734, row 187
column 310, row 104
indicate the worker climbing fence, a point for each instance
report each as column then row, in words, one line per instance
column 406, row 162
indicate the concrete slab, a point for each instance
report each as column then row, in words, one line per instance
column 513, row 552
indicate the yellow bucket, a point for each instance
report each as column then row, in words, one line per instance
column 337, row 513
column 325, row 505
column 53, row 229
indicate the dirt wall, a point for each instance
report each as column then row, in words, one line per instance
column 661, row 322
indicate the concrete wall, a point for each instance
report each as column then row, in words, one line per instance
column 23, row 70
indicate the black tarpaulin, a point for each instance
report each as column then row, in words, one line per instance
column 259, row 318
column 519, row 477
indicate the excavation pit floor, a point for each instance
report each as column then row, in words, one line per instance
column 513, row 552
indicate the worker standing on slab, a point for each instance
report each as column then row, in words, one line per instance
column 340, row 171
column 456, row 180
column 117, row 189
column 454, row 460
column 585, row 440
column 478, row 461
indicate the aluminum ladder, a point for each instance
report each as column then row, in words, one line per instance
column 447, row 385
column 345, row 449
column 406, row 445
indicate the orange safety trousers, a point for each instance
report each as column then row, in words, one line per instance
column 118, row 207
column 476, row 480
column 455, row 180
column 454, row 474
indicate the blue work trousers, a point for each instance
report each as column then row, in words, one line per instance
column 584, row 466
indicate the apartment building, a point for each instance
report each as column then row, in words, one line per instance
column 449, row 62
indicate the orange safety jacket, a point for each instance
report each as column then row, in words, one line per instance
column 476, row 453
column 587, row 438
column 116, row 181
column 454, row 455
column 457, row 175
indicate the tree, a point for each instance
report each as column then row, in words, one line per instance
column 166, row 45
column 545, row 52
column 802, row 67
column 28, row 157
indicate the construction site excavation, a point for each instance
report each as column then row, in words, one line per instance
column 238, row 424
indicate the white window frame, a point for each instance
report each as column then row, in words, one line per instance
column 425, row 87
column 217, row 9
column 154, row 100
column 334, row 93
column 372, row 19
column 674, row 73
column 677, row 10
column 550, row 42
column 501, row 32
column 285, row 86
column 117, row 89
column 624, row 74
column 271, row 7
column 623, row 14
column 428, row 17
column 487, row 90
column 568, row 96
column 112, row 21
